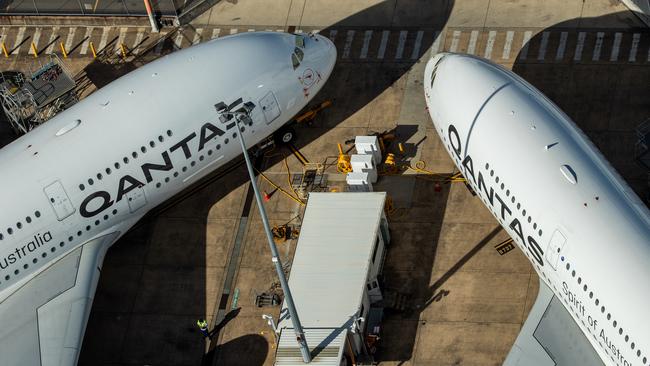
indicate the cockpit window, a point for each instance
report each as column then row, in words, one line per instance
column 433, row 75
column 300, row 41
column 299, row 53
column 296, row 57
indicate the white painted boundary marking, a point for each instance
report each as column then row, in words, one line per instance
column 490, row 44
column 455, row 39
column 233, row 30
column 473, row 38
column 50, row 48
column 615, row 47
column 542, row 46
column 348, row 44
column 120, row 38
column 559, row 55
column 598, row 47
column 636, row 38
column 400, row 44
column 253, row 30
column 215, row 33
column 333, row 33
column 508, row 45
column 382, row 45
column 19, row 39
column 580, row 46
column 418, row 44
column 68, row 41
column 523, row 53
column 367, row 35
column 84, row 46
column 35, row 39
column 439, row 37
column 197, row 36
column 138, row 38
column 178, row 41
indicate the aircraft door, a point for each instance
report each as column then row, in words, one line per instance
column 558, row 240
column 136, row 199
column 59, row 200
column 270, row 107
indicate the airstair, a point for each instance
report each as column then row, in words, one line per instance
column 30, row 100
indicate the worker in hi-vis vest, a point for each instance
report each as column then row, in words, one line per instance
column 203, row 326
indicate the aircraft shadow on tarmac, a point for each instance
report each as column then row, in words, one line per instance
column 606, row 99
column 145, row 278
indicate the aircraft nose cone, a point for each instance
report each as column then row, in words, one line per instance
column 327, row 54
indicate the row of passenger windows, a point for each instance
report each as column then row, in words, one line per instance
column 602, row 310
column 201, row 157
column 19, row 225
column 61, row 244
column 125, row 160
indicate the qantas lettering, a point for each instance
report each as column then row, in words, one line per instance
column 97, row 202
column 21, row 252
column 477, row 178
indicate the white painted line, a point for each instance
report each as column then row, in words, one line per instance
column 233, row 30
column 580, row 46
column 636, row 38
column 253, row 30
column 120, row 38
column 68, row 41
column 178, row 41
column 316, row 31
column 51, row 42
column 490, row 44
column 439, row 39
column 455, row 39
column 401, row 41
column 35, row 38
column 2, row 33
column 348, row 44
column 297, row 31
column 615, row 47
column 418, row 44
column 473, row 38
column 523, row 53
column 559, row 55
column 382, row 45
column 19, row 39
column 333, row 33
column 367, row 35
column 508, row 45
column 138, row 39
column 542, row 46
column 598, row 47
column 84, row 46
column 278, row 30
column 215, row 33
column 197, row 36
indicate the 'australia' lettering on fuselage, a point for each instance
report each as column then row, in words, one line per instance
column 97, row 202
column 468, row 166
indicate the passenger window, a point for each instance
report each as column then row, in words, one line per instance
column 433, row 75
column 295, row 61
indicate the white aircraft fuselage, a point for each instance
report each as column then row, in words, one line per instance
column 99, row 166
column 584, row 230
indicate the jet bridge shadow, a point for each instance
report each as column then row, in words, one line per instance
column 154, row 283
column 606, row 98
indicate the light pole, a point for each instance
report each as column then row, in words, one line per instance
column 244, row 111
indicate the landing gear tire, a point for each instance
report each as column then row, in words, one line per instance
column 284, row 136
